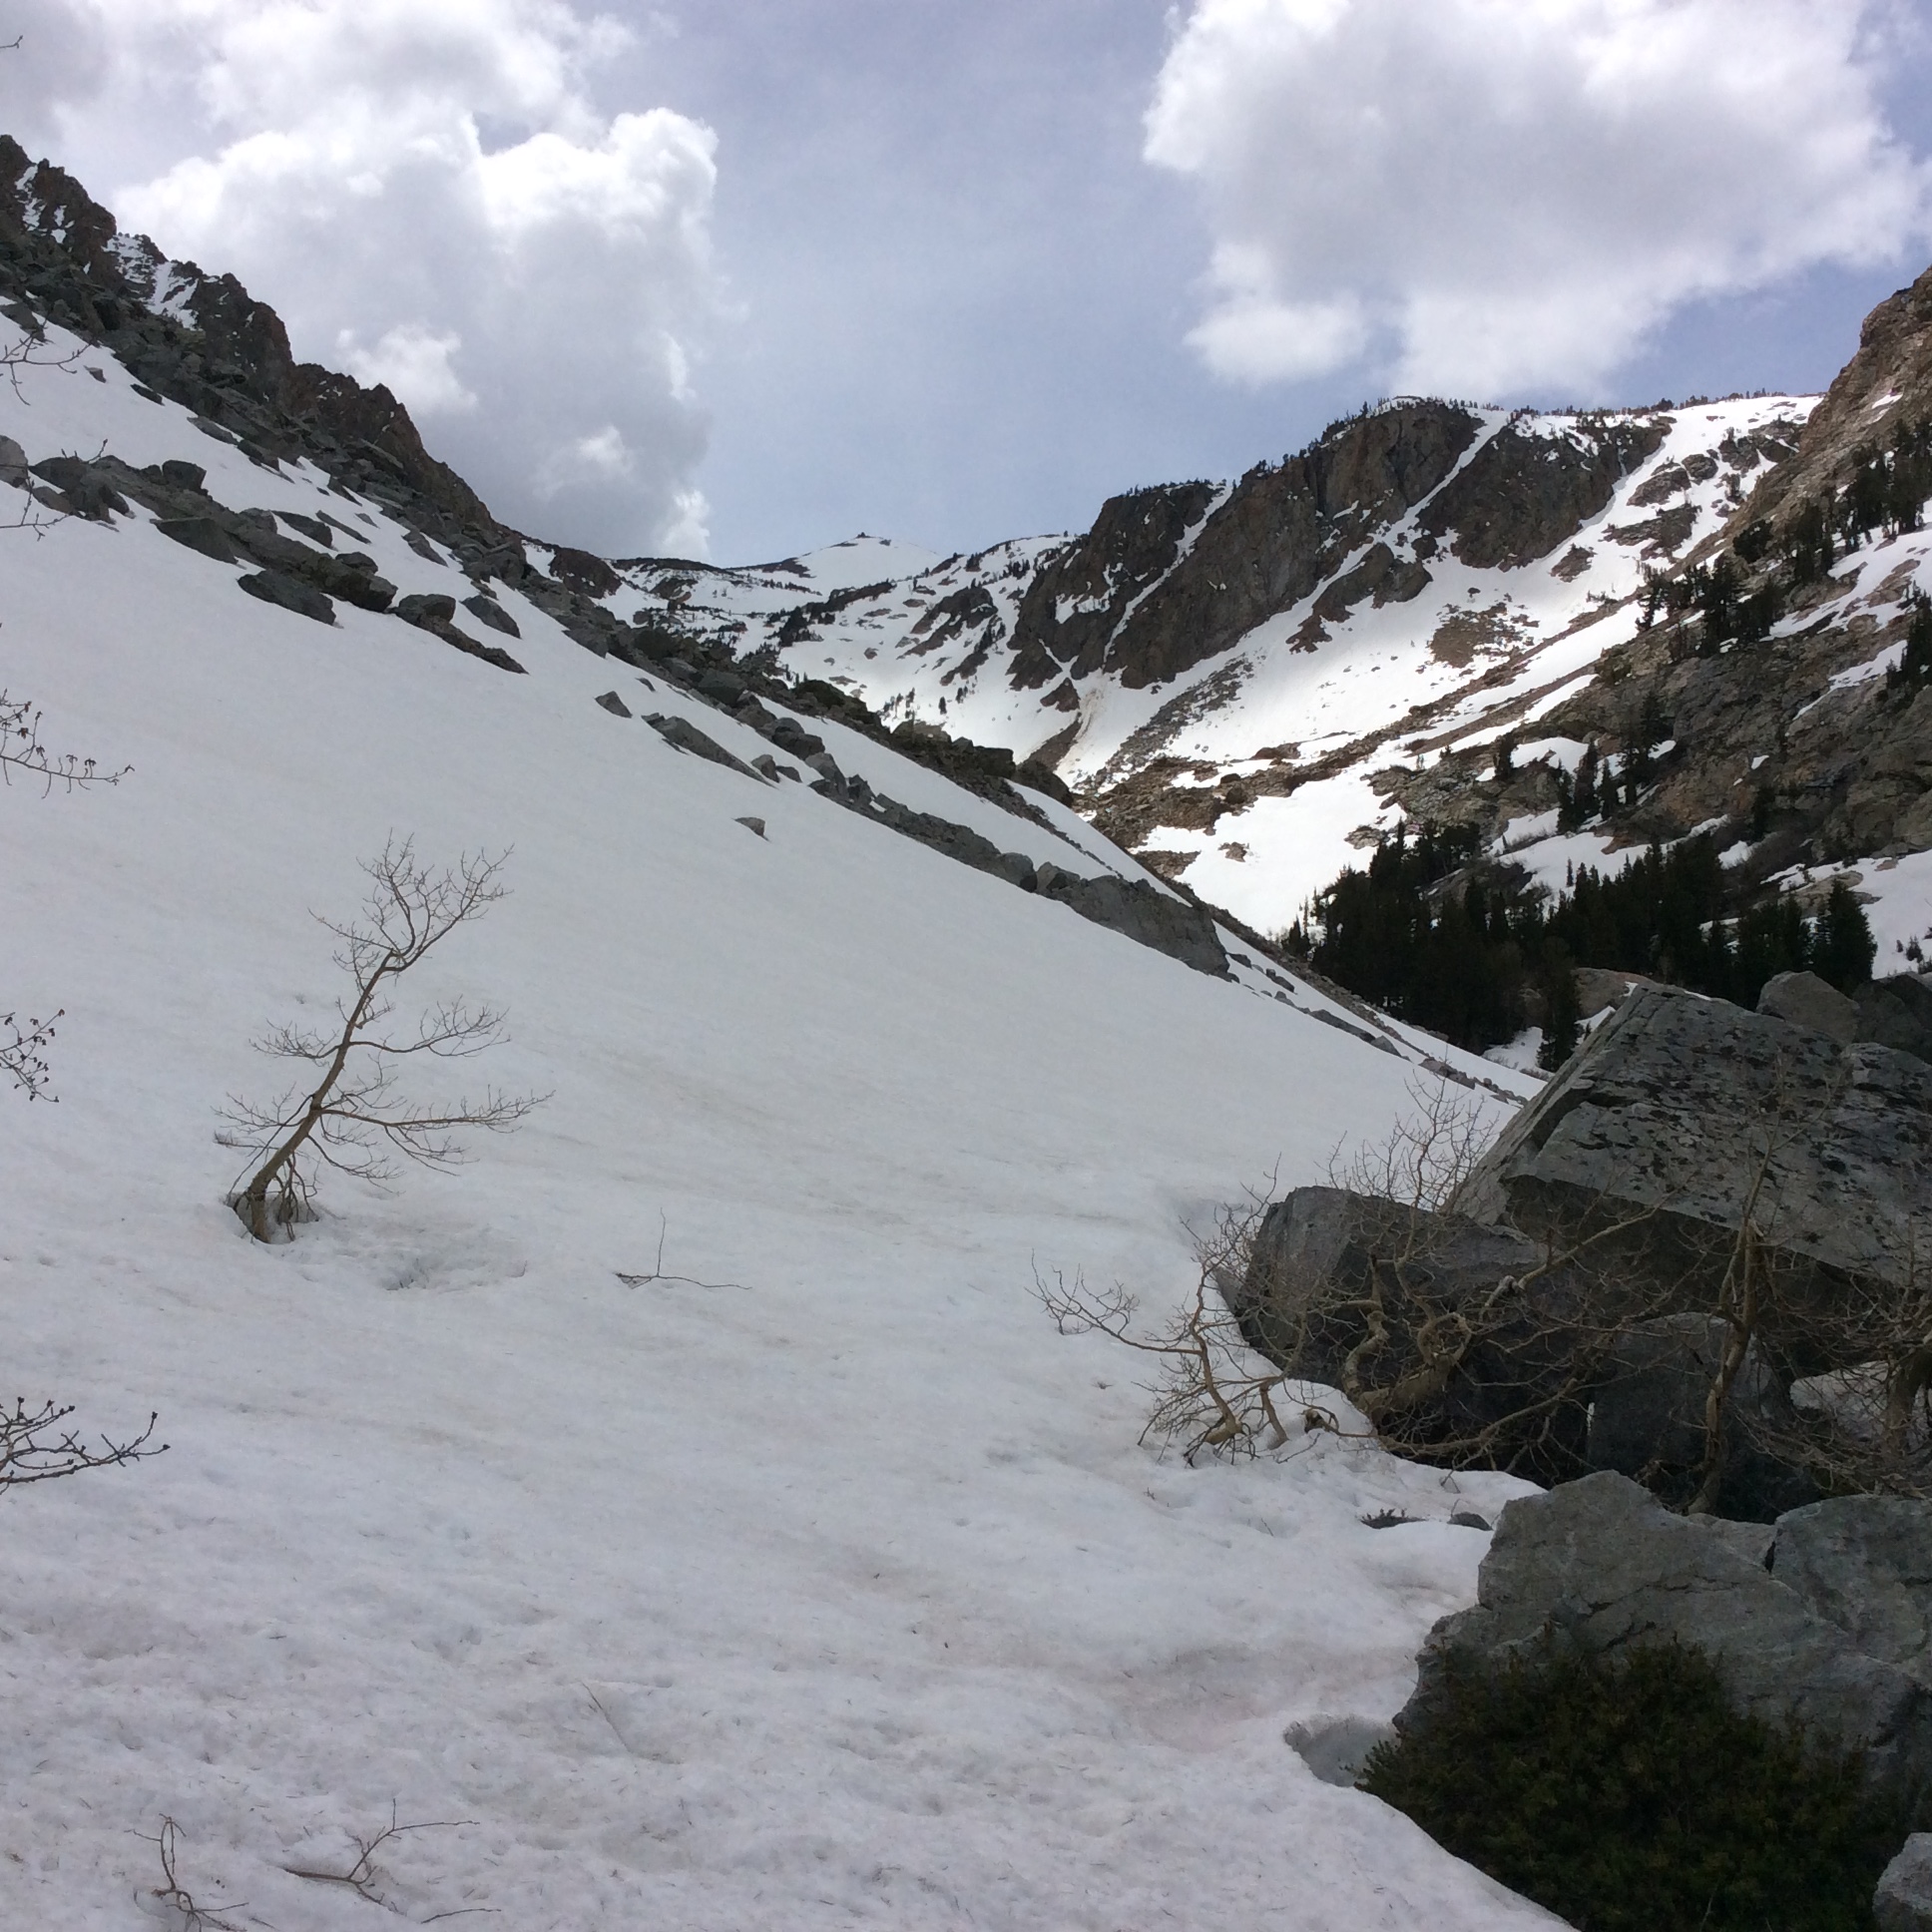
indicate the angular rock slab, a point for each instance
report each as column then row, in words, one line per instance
column 1599, row 1562
column 1668, row 1108
column 1903, row 1900
column 1865, row 1563
column 1806, row 1000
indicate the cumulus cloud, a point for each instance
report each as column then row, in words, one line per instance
column 1496, row 198
column 426, row 191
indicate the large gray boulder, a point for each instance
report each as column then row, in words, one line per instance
column 684, row 736
column 1806, row 1000
column 1865, row 1563
column 1600, row 1564
column 1897, row 1012
column 1648, row 1413
column 271, row 586
column 1666, row 1117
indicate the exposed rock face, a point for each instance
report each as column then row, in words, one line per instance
column 1143, row 912
column 1600, row 1564
column 1279, row 532
column 1521, row 498
column 1888, row 381
column 1139, row 911
column 1670, row 1109
column 1079, row 596
column 204, row 341
column 291, row 594
column 232, row 362
column 682, row 735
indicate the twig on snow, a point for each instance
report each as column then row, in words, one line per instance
column 657, row 1274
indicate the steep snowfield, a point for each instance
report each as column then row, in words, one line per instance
column 826, row 1587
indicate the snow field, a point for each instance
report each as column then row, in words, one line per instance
column 836, row 1591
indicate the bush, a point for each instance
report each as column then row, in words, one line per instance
column 1629, row 1796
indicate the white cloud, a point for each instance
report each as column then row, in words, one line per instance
column 424, row 190
column 1493, row 198
column 412, row 362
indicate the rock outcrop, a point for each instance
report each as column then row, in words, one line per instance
column 1903, row 1901
column 1707, row 1205
column 1690, row 1112
column 1600, row 1565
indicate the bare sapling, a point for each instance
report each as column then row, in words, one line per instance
column 22, row 1045
column 351, row 1117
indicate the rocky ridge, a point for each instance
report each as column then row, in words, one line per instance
column 1238, row 679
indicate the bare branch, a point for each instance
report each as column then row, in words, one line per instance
column 361, row 1878
column 34, row 1448
column 22, row 750
column 173, row 1896
column 657, row 1274
column 21, row 1056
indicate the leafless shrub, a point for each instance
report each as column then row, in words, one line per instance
column 1211, row 1390
column 1733, row 1358
column 351, row 1118
column 34, row 1448
column 1425, row 1156
column 21, row 1047
column 1854, row 1353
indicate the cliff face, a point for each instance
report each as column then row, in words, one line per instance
column 1886, row 384
column 205, row 342
column 1168, row 578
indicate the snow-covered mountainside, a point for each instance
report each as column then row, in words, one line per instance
column 1220, row 670
column 813, row 1580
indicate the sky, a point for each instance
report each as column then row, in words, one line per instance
column 738, row 281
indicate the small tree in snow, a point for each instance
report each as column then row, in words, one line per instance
column 351, row 1118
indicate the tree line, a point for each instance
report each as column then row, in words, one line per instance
column 1478, row 959
column 1885, row 494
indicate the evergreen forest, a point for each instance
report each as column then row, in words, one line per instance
column 1479, row 951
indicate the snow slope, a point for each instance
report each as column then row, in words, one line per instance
column 825, row 1584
